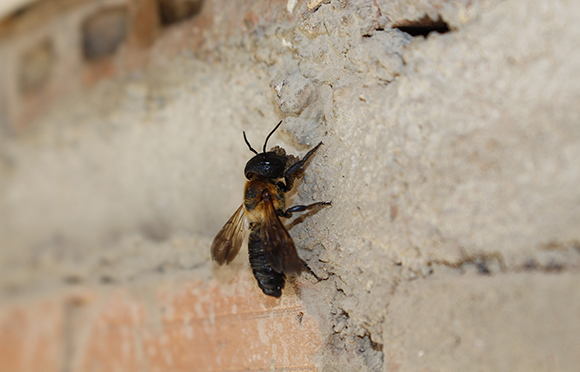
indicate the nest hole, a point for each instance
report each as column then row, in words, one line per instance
column 423, row 26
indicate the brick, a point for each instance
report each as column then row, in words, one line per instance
column 31, row 337
column 225, row 327
column 113, row 334
column 198, row 326
column 242, row 329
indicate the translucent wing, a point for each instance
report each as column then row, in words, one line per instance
column 228, row 241
column 279, row 247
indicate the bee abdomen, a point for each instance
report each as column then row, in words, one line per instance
column 270, row 281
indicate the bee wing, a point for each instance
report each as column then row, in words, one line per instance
column 279, row 247
column 228, row 241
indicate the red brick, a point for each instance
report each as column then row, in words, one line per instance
column 31, row 337
column 197, row 326
column 113, row 334
column 208, row 329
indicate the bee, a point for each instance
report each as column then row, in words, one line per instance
column 271, row 249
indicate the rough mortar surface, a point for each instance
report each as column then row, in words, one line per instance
column 452, row 162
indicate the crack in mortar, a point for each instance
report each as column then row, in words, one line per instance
column 565, row 258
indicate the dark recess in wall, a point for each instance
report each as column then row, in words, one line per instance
column 423, row 26
column 103, row 32
column 173, row 11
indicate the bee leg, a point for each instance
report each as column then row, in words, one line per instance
column 296, row 169
column 301, row 208
column 309, row 270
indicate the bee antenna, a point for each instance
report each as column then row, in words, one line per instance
column 269, row 135
column 248, row 143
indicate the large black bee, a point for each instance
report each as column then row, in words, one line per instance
column 271, row 249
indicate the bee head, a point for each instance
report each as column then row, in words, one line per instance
column 269, row 164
